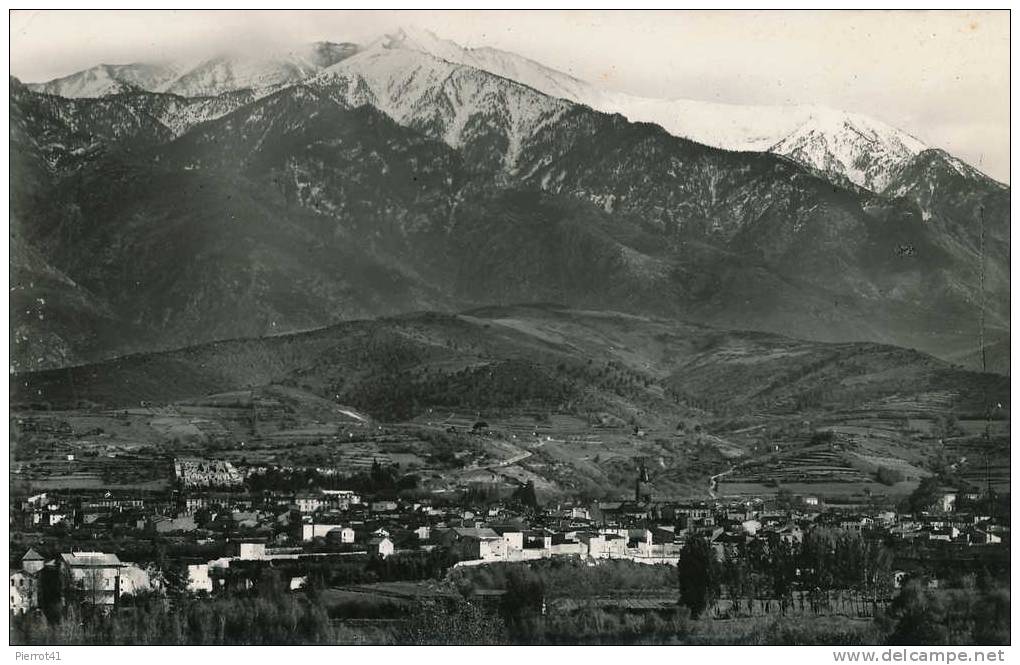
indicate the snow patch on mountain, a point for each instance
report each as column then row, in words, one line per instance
column 455, row 103
column 866, row 151
column 103, row 80
column 229, row 72
column 434, row 84
column 263, row 73
column 934, row 179
column 845, row 145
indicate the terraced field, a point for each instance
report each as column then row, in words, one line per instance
column 816, row 469
column 573, row 400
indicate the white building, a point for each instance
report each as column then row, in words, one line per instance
column 251, row 550
column 947, row 500
column 134, row 579
column 750, row 527
column 342, row 499
column 310, row 503
column 513, row 542
column 604, row 545
column 311, row 531
column 25, row 583
column 92, row 577
column 381, row 546
column 198, row 578
column 24, row 591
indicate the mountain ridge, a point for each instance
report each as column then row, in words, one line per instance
column 222, row 73
column 848, row 147
column 456, row 187
column 815, row 136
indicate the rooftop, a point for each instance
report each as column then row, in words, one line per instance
column 90, row 559
column 32, row 555
column 476, row 532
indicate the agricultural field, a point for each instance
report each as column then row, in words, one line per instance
column 882, row 452
column 577, row 402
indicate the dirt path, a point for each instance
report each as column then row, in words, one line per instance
column 713, row 482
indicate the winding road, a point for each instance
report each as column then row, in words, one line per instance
column 713, row 482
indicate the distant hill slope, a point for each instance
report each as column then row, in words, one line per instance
column 535, row 357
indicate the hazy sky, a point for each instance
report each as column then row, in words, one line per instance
column 940, row 75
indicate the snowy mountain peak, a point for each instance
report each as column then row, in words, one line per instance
column 935, row 158
column 419, row 39
column 103, row 80
column 934, row 170
column 224, row 72
column 452, row 102
column 846, row 146
column 865, row 151
column 325, row 54
column 502, row 63
column 229, row 71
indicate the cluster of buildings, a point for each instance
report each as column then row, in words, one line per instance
column 198, row 472
column 95, row 578
column 247, row 530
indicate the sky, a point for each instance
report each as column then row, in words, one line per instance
column 942, row 76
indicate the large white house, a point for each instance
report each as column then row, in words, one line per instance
column 91, row 577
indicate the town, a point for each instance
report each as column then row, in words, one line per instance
column 214, row 535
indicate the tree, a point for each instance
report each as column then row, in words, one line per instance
column 918, row 616
column 525, row 495
column 889, row 476
column 925, row 496
column 784, row 499
column 524, row 598
column 454, row 622
column 699, row 576
column 175, row 580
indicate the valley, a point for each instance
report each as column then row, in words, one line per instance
column 410, row 341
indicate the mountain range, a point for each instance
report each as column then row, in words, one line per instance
column 222, row 73
column 157, row 206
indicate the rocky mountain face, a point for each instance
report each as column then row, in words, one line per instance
column 103, row 80
column 261, row 73
column 488, row 119
column 202, row 238
column 228, row 72
column 846, row 147
column 393, row 180
column 853, row 147
column 968, row 213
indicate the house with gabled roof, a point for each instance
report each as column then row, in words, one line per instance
column 91, row 577
column 382, row 546
column 24, row 589
column 32, row 562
